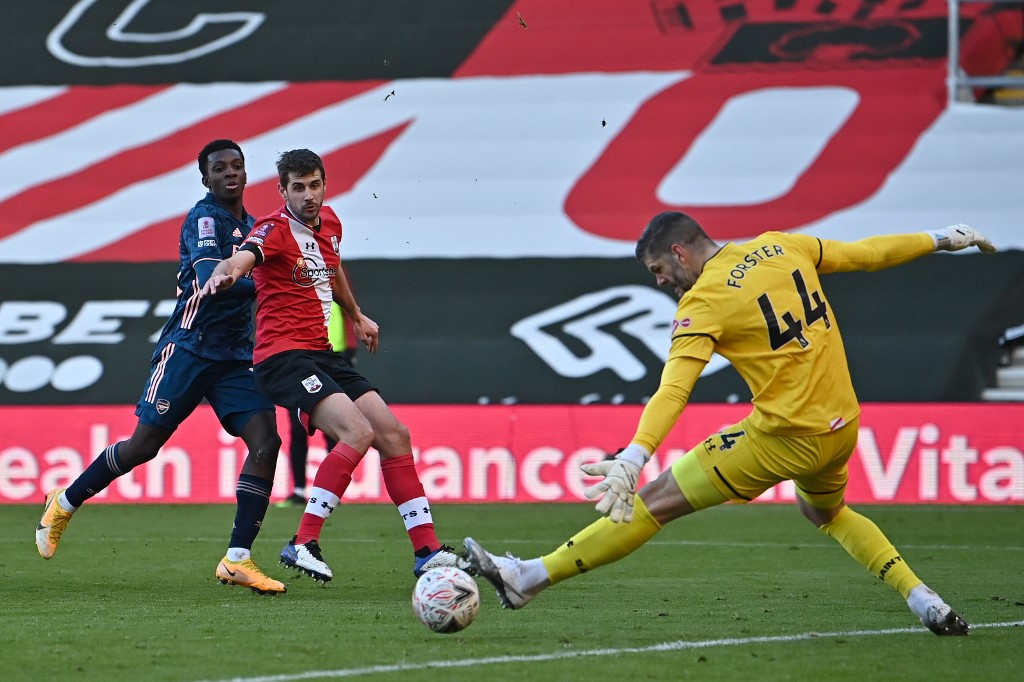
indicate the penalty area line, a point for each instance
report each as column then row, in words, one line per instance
column 681, row 645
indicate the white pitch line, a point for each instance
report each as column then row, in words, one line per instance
column 587, row 653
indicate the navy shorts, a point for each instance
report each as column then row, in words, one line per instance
column 180, row 379
column 299, row 379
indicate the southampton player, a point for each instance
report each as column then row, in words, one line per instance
column 761, row 306
column 204, row 351
column 294, row 255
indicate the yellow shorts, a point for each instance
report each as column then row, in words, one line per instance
column 741, row 462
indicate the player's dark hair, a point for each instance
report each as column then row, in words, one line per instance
column 299, row 162
column 666, row 229
column 216, row 146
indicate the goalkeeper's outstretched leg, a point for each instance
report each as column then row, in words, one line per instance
column 517, row 581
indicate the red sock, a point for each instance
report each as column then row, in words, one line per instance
column 331, row 480
column 406, row 491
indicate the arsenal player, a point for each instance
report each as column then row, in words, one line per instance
column 204, row 351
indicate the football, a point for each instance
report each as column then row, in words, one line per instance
column 446, row 599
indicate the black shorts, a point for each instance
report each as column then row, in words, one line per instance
column 299, row 379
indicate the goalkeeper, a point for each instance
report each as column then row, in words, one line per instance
column 760, row 305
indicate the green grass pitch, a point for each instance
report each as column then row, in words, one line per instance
column 732, row 593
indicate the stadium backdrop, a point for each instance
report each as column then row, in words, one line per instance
column 492, row 174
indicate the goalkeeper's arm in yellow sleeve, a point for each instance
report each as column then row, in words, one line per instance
column 622, row 473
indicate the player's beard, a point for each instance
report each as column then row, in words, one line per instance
column 310, row 211
column 307, row 212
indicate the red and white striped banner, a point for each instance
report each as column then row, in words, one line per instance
column 557, row 141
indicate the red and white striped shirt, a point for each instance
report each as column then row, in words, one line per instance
column 296, row 266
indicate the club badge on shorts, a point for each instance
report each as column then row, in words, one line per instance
column 312, row 384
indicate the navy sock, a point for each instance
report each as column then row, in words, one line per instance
column 253, row 495
column 97, row 476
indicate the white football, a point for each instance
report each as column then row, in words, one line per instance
column 446, row 599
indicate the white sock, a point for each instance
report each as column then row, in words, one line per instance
column 301, row 492
column 238, row 554
column 62, row 500
column 920, row 598
column 533, row 576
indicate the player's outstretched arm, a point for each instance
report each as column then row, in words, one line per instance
column 886, row 251
column 622, row 473
column 960, row 236
column 228, row 271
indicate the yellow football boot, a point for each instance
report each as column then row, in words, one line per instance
column 51, row 525
column 247, row 574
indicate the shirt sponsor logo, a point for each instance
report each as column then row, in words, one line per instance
column 206, row 227
column 312, row 384
column 306, row 273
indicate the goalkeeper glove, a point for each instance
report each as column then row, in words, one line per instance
column 616, row 491
column 960, row 236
